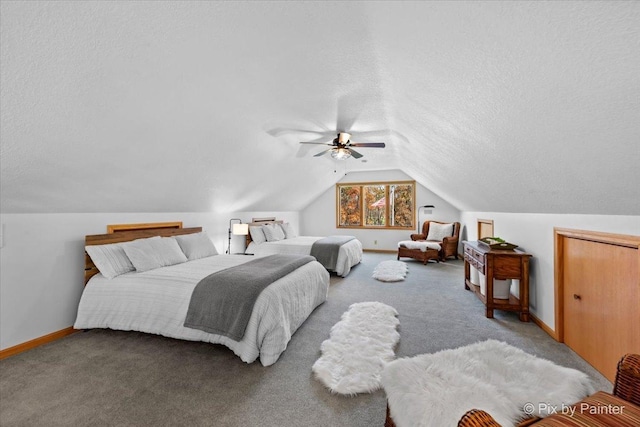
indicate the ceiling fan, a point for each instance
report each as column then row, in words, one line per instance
column 341, row 147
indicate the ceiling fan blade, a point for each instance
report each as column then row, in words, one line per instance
column 354, row 153
column 304, row 150
column 368, row 144
column 280, row 131
column 319, row 143
column 322, row 152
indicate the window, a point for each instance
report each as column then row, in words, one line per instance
column 376, row 205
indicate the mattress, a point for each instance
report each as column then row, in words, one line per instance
column 350, row 253
column 156, row 302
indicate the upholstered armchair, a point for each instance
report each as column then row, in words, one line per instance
column 449, row 243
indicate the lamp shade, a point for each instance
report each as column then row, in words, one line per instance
column 241, row 229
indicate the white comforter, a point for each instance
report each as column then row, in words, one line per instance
column 349, row 255
column 156, row 302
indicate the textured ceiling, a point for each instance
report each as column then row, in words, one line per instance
column 199, row 106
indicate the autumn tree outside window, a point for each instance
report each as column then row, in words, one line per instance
column 376, row 205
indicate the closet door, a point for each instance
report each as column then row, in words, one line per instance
column 601, row 295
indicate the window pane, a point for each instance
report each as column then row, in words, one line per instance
column 350, row 206
column 374, row 205
column 401, row 209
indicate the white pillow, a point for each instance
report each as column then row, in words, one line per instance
column 273, row 232
column 110, row 259
column 196, row 246
column 257, row 235
column 288, row 230
column 438, row 232
column 154, row 252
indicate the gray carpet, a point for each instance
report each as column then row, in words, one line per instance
column 113, row 378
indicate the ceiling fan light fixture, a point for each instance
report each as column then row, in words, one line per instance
column 340, row 153
column 344, row 137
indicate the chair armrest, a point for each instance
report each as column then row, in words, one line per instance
column 450, row 246
column 453, row 240
column 627, row 385
column 477, row 418
column 418, row 237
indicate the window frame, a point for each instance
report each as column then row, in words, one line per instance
column 387, row 208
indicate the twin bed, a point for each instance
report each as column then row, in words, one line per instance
column 348, row 255
column 157, row 300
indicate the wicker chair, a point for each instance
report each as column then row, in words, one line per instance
column 449, row 244
column 626, row 396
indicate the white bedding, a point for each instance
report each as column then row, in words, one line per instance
column 349, row 255
column 156, row 301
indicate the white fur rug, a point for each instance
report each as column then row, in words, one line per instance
column 390, row 271
column 419, row 244
column 358, row 348
column 437, row 389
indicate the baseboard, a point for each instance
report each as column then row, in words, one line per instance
column 16, row 349
column 380, row 251
column 544, row 327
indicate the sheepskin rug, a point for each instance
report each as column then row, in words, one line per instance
column 390, row 271
column 437, row 389
column 358, row 348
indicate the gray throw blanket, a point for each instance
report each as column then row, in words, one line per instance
column 326, row 250
column 222, row 302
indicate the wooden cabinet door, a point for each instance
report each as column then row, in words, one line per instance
column 601, row 302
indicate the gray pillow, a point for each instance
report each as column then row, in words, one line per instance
column 196, row 246
column 257, row 235
column 273, row 232
column 154, row 252
column 288, row 230
column 110, row 259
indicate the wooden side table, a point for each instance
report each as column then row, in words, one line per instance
column 501, row 265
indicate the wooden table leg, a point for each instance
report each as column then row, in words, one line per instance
column 467, row 274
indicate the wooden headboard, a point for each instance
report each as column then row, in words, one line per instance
column 119, row 228
column 117, row 233
column 257, row 222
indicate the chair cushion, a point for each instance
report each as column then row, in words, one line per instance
column 600, row 409
column 438, row 232
column 419, row 244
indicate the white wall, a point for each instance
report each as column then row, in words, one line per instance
column 42, row 257
column 319, row 217
column 534, row 234
column 42, row 263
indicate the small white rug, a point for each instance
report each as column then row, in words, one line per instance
column 358, row 348
column 390, row 271
column 437, row 389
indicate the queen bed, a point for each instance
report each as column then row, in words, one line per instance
column 158, row 300
column 340, row 253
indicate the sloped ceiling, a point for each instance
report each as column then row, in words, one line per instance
column 199, row 106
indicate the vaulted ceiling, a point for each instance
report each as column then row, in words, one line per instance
column 200, row 106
